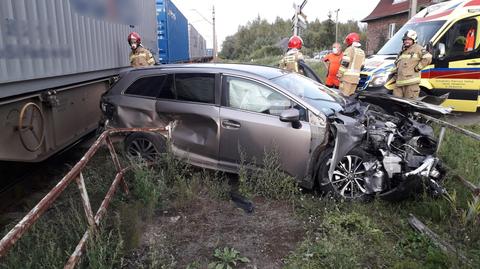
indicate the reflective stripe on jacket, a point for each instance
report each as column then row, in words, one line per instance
column 352, row 62
column 141, row 57
column 409, row 63
column 290, row 60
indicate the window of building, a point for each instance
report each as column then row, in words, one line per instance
column 154, row 86
column 391, row 30
column 195, row 87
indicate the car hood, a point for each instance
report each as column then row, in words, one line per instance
column 376, row 63
column 391, row 104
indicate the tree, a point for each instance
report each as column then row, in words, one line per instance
column 258, row 38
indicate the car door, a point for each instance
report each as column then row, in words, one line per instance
column 250, row 124
column 195, row 115
column 457, row 69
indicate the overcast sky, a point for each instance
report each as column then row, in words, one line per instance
column 230, row 14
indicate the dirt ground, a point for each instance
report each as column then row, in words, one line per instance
column 266, row 236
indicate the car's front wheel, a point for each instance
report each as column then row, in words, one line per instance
column 145, row 146
column 347, row 181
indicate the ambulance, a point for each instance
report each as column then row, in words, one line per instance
column 450, row 30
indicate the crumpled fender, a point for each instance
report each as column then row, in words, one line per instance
column 349, row 134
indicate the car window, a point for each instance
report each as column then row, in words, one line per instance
column 249, row 95
column 154, row 86
column 195, row 87
column 460, row 39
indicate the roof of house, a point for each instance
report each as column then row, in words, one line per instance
column 387, row 8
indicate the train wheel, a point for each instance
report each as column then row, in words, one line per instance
column 31, row 127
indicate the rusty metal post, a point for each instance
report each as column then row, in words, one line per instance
column 115, row 160
column 24, row 225
column 108, row 197
column 85, row 200
column 75, row 174
column 77, row 253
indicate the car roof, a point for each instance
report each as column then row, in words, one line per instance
column 267, row 72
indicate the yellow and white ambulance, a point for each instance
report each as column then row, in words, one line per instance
column 452, row 30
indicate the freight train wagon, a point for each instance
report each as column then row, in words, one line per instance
column 56, row 59
column 197, row 45
column 178, row 41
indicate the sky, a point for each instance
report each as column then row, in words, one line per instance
column 230, row 14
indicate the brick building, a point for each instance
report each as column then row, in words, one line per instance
column 386, row 19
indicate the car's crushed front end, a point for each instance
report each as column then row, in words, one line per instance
column 380, row 147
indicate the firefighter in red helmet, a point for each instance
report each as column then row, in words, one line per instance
column 293, row 55
column 352, row 62
column 139, row 56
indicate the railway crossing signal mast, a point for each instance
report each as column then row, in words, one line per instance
column 299, row 24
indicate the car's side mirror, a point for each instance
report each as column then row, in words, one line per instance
column 291, row 115
column 439, row 51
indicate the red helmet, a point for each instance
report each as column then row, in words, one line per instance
column 136, row 36
column 295, row 42
column 352, row 37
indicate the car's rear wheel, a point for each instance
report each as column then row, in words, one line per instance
column 146, row 146
column 348, row 180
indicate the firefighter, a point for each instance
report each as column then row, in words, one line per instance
column 293, row 55
column 352, row 62
column 408, row 64
column 333, row 61
column 139, row 56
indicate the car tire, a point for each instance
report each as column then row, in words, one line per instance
column 344, row 185
column 146, row 146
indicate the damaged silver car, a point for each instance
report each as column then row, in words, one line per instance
column 355, row 149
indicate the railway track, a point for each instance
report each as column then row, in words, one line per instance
column 22, row 185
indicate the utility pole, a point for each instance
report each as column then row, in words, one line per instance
column 413, row 8
column 214, row 36
column 336, row 26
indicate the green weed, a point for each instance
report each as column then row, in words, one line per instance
column 227, row 258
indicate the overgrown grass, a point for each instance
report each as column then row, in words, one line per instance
column 461, row 153
column 338, row 234
column 377, row 235
column 269, row 181
column 54, row 237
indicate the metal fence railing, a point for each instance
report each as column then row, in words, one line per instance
column 475, row 189
column 75, row 174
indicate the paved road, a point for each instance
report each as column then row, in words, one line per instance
column 464, row 118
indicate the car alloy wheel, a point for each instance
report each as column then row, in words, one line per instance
column 145, row 146
column 347, row 179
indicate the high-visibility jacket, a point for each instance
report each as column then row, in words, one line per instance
column 290, row 61
column 141, row 57
column 352, row 62
column 408, row 64
column 470, row 40
column 334, row 61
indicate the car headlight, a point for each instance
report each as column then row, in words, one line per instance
column 379, row 79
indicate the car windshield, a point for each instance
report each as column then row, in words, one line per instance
column 317, row 95
column 425, row 31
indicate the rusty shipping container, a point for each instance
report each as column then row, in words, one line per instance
column 56, row 59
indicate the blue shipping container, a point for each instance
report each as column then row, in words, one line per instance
column 172, row 30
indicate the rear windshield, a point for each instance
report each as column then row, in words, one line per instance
column 425, row 32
